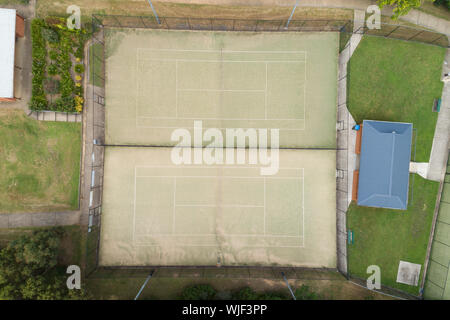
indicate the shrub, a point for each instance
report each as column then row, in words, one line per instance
column 50, row 35
column 249, row 294
column 304, row 293
column 52, row 86
column 53, row 55
column 79, row 52
column 198, row 292
column 52, row 69
column 79, row 68
column 38, row 100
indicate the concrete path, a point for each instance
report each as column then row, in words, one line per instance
column 346, row 139
column 55, row 116
column 439, row 150
column 414, row 16
column 39, row 219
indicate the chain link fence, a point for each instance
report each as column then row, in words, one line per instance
column 395, row 31
column 96, row 121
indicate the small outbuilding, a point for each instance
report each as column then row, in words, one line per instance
column 12, row 25
column 384, row 164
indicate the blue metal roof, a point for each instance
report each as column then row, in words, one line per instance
column 384, row 164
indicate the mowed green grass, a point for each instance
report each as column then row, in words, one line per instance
column 394, row 80
column 39, row 164
column 383, row 237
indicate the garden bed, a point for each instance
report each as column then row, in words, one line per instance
column 58, row 67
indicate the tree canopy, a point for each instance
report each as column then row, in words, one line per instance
column 401, row 7
column 28, row 268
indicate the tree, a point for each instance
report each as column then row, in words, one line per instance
column 28, row 268
column 401, row 7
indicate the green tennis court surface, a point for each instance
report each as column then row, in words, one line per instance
column 157, row 81
column 158, row 213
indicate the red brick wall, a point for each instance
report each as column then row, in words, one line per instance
column 20, row 26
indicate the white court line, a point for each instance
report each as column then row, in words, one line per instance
column 264, row 216
column 224, row 90
column 215, row 246
column 174, row 203
column 221, row 128
column 303, row 207
column 176, row 89
column 304, row 92
column 265, row 97
column 222, row 61
column 218, row 119
column 213, row 235
column 226, row 235
column 218, row 51
column 221, row 177
column 195, row 166
column 134, row 205
column 218, row 205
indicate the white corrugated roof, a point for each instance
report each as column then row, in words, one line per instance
column 7, row 43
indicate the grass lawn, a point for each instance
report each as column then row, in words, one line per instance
column 167, row 9
column 394, row 80
column 40, row 164
column 383, row 237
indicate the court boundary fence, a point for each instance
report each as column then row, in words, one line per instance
column 97, row 76
column 387, row 30
column 426, row 281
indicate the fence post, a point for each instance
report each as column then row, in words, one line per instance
column 416, row 35
column 392, row 32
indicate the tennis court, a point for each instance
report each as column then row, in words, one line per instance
column 155, row 212
column 157, row 81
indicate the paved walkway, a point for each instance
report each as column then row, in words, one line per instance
column 55, row 116
column 346, row 138
column 414, row 16
column 439, row 150
column 39, row 219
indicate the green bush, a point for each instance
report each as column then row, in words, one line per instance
column 52, row 69
column 304, row 293
column 53, row 55
column 249, row 294
column 28, row 268
column 79, row 52
column 52, row 86
column 38, row 100
column 50, row 35
column 198, row 292
column 79, row 68
column 62, row 43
